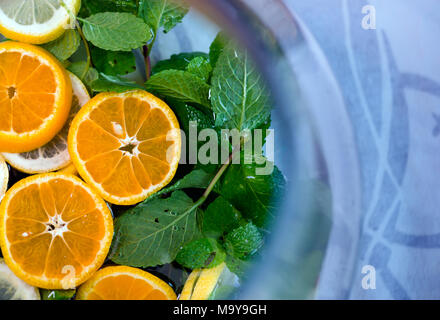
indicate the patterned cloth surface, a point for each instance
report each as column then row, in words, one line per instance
column 390, row 80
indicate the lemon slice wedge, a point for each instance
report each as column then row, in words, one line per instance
column 13, row 288
column 210, row 284
column 36, row 21
column 4, row 177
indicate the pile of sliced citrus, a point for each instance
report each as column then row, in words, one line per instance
column 55, row 228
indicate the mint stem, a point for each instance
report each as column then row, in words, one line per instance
column 86, row 45
column 216, row 178
column 146, row 53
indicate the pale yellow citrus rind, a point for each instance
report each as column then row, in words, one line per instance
column 15, row 288
column 39, row 33
column 201, row 283
column 4, row 177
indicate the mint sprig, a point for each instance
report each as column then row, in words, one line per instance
column 65, row 46
column 180, row 85
column 153, row 233
column 239, row 98
column 116, row 31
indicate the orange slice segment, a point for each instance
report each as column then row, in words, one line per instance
column 53, row 155
column 125, row 283
column 55, row 232
column 126, row 145
column 35, row 97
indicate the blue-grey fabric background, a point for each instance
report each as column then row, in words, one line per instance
column 390, row 81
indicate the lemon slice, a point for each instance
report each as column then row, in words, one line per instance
column 13, row 288
column 36, row 21
column 4, row 177
column 210, row 284
column 54, row 155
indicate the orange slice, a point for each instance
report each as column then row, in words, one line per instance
column 35, row 97
column 55, row 232
column 54, row 155
column 125, row 145
column 125, row 283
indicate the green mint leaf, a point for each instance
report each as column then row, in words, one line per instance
column 238, row 96
column 217, row 47
column 186, row 113
column 244, row 241
column 89, row 7
column 161, row 13
column 57, row 294
column 65, row 46
column 78, row 69
column 200, row 67
column 199, row 179
column 116, row 31
column 256, row 196
column 180, row 85
column 201, row 253
column 152, row 233
column 177, row 61
column 113, row 63
column 107, row 83
column 196, row 179
column 220, row 218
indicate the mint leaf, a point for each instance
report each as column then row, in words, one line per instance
column 238, row 96
column 186, row 113
column 200, row 67
column 152, row 233
column 180, row 85
column 244, row 241
column 161, row 13
column 201, row 253
column 199, row 179
column 220, row 218
column 217, row 47
column 47, row 294
column 65, row 46
column 113, row 63
column 78, row 68
column 116, row 31
column 196, row 179
column 257, row 197
column 106, row 83
column 177, row 61
column 89, row 7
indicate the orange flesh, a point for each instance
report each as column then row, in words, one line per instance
column 25, row 101
column 51, row 225
column 124, row 146
column 125, row 287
